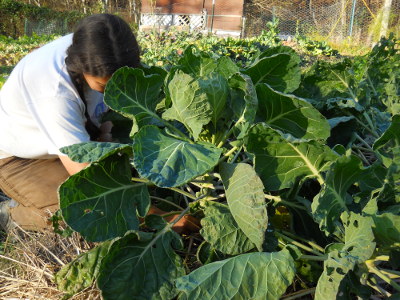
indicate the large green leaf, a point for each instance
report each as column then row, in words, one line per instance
column 220, row 229
column 291, row 114
column 226, row 67
column 140, row 266
column 256, row 276
column 336, row 268
column 134, row 94
column 169, row 162
column 101, row 202
column 359, row 246
column 279, row 71
column 325, row 80
column 94, row 151
column 280, row 161
column 243, row 100
column 196, row 64
column 82, row 271
column 388, row 145
column 358, row 238
column 332, row 200
column 387, row 229
column 190, row 101
column 217, row 90
column 245, row 196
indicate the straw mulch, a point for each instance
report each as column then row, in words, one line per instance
column 29, row 260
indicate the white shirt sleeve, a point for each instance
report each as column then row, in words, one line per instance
column 62, row 122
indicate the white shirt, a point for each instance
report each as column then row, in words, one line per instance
column 40, row 108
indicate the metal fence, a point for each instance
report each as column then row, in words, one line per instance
column 322, row 19
column 57, row 26
column 327, row 19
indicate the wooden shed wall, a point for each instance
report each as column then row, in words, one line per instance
column 227, row 13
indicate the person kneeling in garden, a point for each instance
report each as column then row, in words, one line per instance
column 52, row 99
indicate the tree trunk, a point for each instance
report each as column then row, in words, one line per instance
column 105, row 5
column 84, row 6
column 385, row 17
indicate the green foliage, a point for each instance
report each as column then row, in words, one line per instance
column 278, row 180
column 80, row 273
column 13, row 14
column 166, row 47
column 141, row 266
column 246, row 276
column 13, row 50
column 317, row 48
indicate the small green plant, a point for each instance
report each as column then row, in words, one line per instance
column 315, row 47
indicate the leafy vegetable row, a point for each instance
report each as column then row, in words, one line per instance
column 295, row 178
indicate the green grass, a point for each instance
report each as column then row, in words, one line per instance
column 4, row 72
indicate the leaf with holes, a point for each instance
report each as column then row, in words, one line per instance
column 101, row 202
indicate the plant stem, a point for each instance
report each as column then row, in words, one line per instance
column 313, row 257
column 236, row 155
column 167, row 201
column 299, row 294
column 228, row 133
column 364, row 126
column 390, row 274
column 363, row 158
column 165, row 229
column 304, row 247
column 278, row 199
column 142, row 180
column 391, row 271
column 382, row 258
column 373, row 269
column 312, row 244
column 362, row 148
column 227, row 154
column 363, row 141
column 378, row 289
column 171, row 213
column 369, row 121
column 177, row 131
column 189, row 195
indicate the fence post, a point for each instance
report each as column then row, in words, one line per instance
column 212, row 13
column 26, row 26
column 353, row 10
column 242, row 31
column 205, row 19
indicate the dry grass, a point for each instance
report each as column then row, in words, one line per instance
column 29, row 260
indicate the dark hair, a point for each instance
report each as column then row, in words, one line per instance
column 101, row 44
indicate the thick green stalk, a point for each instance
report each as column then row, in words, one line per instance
column 189, row 195
column 167, row 201
column 227, row 154
column 228, row 133
column 312, row 244
column 373, row 269
column 278, row 199
column 299, row 294
column 300, row 245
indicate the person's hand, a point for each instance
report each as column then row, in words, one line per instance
column 105, row 132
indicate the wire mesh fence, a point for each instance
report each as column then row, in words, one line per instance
column 326, row 19
column 57, row 26
column 323, row 19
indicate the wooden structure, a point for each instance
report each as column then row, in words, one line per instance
column 218, row 15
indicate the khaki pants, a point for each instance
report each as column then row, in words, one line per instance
column 33, row 183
